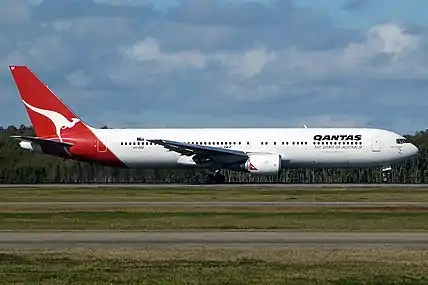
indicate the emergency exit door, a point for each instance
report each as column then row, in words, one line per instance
column 376, row 145
column 101, row 147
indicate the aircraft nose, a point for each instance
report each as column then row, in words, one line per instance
column 413, row 149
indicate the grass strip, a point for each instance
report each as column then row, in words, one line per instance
column 214, row 194
column 215, row 266
column 317, row 220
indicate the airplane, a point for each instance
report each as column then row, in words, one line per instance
column 258, row 151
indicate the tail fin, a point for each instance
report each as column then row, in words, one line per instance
column 50, row 117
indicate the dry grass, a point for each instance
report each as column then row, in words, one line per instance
column 215, row 266
column 212, row 194
column 271, row 254
column 54, row 208
column 316, row 220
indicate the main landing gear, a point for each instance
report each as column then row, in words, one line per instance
column 386, row 174
column 215, row 178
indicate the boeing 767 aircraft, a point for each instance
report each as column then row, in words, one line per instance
column 259, row 151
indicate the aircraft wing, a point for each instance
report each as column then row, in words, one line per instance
column 201, row 151
column 42, row 142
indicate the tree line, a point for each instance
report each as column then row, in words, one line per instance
column 21, row 166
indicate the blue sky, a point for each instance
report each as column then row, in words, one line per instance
column 223, row 63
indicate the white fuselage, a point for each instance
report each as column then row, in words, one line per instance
column 298, row 147
column 259, row 151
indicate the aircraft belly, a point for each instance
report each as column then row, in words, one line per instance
column 151, row 159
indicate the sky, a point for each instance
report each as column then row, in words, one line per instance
column 222, row 63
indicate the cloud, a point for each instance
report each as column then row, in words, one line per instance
column 246, row 65
column 258, row 73
column 14, row 12
column 226, row 62
column 330, row 121
column 78, row 79
column 386, row 50
column 250, row 64
column 356, row 5
column 388, row 39
column 149, row 51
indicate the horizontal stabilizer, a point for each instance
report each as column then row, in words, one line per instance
column 42, row 142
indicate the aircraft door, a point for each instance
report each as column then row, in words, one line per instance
column 376, row 146
column 101, row 147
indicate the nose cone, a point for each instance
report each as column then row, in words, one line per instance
column 413, row 150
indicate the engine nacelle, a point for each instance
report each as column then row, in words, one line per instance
column 263, row 164
column 30, row 146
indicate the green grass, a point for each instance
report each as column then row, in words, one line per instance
column 316, row 220
column 214, row 194
column 206, row 267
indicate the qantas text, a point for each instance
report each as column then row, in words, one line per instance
column 337, row 137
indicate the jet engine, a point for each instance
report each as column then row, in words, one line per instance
column 261, row 164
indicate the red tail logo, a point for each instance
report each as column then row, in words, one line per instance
column 252, row 167
column 60, row 122
column 50, row 117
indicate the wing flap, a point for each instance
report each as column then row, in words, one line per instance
column 202, row 151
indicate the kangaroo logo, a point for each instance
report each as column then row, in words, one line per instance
column 252, row 167
column 60, row 122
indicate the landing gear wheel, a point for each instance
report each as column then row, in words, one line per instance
column 386, row 174
column 386, row 177
column 219, row 178
column 215, row 178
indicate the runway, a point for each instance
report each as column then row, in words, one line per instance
column 125, row 204
column 217, row 186
column 210, row 239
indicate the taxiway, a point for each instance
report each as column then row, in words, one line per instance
column 219, row 186
column 211, row 239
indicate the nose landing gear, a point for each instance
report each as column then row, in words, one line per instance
column 386, row 174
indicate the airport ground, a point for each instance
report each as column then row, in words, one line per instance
column 258, row 234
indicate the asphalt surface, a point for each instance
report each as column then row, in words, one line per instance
column 209, row 239
column 124, row 204
column 219, row 186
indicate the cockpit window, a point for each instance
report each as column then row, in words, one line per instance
column 401, row 141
